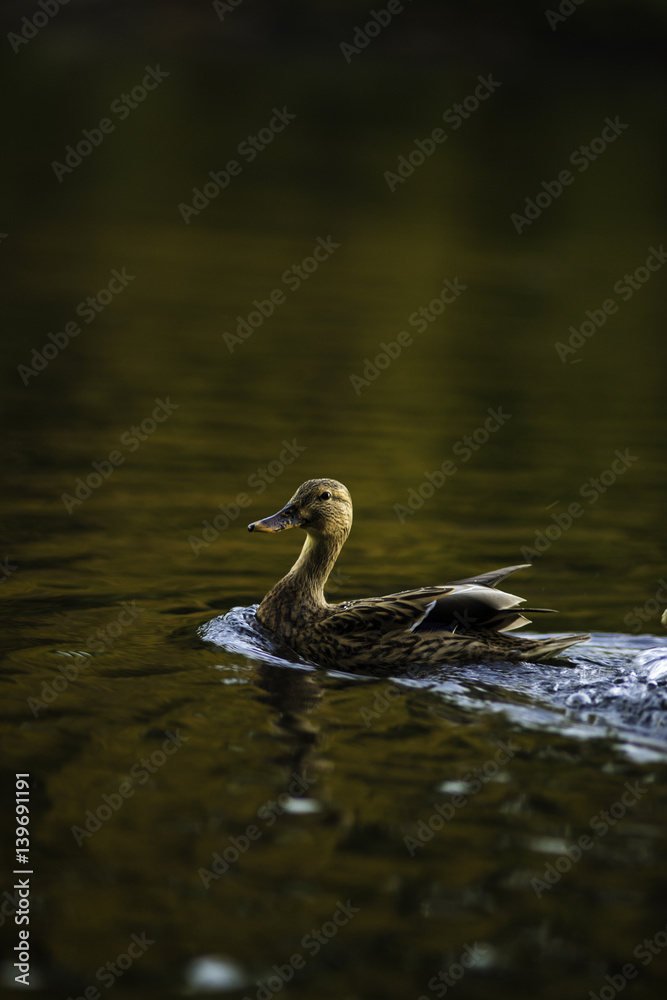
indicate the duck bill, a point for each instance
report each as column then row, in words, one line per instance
column 288, row 517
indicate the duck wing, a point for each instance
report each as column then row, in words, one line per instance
column 464, row 607
column 402, row 612
column 472, row 606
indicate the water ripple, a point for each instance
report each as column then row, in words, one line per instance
column 616, row 685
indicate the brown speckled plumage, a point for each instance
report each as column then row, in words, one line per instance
column 458, row 622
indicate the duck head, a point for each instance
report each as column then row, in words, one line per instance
column 322, row 507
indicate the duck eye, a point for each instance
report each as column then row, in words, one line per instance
column 325, row 496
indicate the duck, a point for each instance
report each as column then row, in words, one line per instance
column 460, row 622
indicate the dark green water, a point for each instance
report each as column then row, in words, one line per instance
column 192, row 743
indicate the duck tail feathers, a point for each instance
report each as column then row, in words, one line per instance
column 545, row 648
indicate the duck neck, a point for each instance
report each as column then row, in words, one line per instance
column 311, row 571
